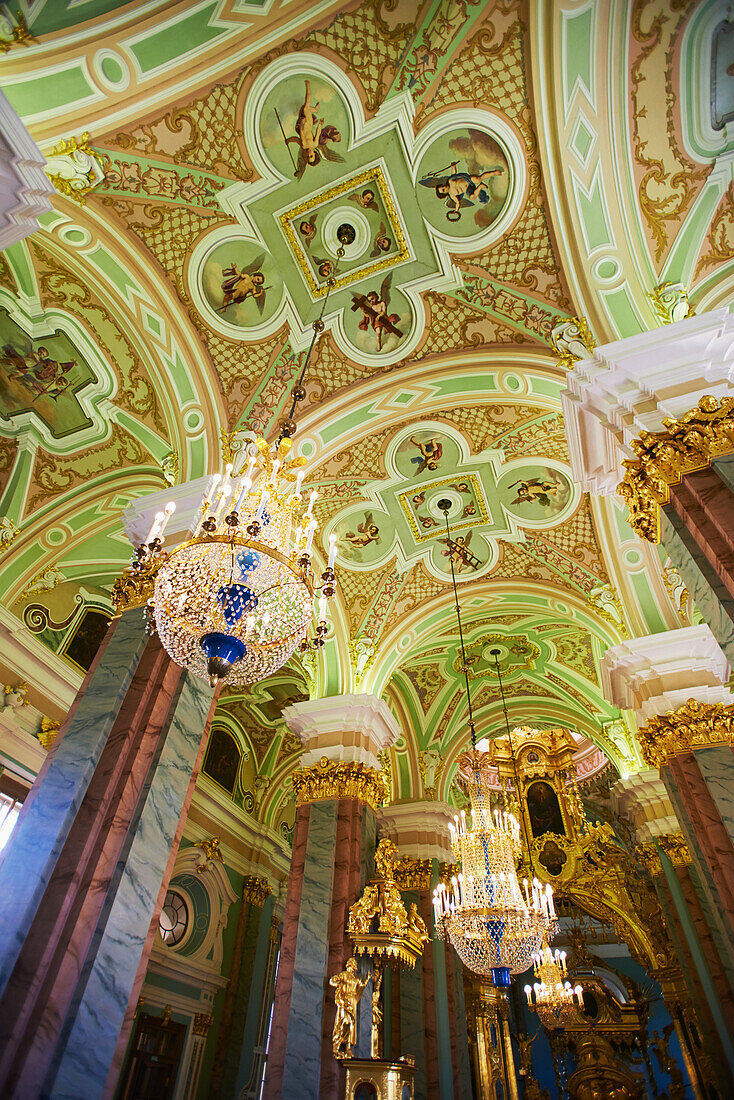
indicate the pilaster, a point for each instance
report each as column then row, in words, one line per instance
column 337, row 792
column 86, row 869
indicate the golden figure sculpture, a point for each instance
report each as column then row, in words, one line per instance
column 376, row 1045
column 393, row 918
column 386, row 857
column 348, row 988
column 363, row 910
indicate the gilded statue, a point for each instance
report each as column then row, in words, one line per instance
column 348, row 988
column 210, row 851
column 386, row 857
column 363, row 910
column 393, row 918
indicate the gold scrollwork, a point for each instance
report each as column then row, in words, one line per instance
column 47, row 733
column 694, row 725
column 341, row 779
column 413, row 874
column 663, row 458
column 136, row 586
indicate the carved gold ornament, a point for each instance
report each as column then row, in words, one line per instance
column 341, row 779
column 256, row 890
column 379, row 924
column 202, row 1022
column 663, row 458
column 674, row 846
column 136, row 585
column 413, row 874
column 74, row 168
column 47, row 733
column 210, row 851
column 694, row 725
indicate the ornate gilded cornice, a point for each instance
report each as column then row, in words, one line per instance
column 694, row 725
column 674, row 846
column 341, row 779
column 256, row 890
column 663, row 458
column 202, row 1022
column 413, row 874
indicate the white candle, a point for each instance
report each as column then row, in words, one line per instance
column 167, row 513
column 310, row 533
column 227, row 474
column 223, row 497
column 216, row 478
column 311, row 501
column 155, row 526
column 261, row 506
column 323, row 608
column 299, row 481
column 274, row 474
column 332, row 550
column 245, row 484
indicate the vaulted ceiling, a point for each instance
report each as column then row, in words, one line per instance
column 502, row 172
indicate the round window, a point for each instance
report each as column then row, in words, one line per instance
column 174, row 919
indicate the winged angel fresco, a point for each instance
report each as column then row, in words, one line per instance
column 239, row 284
column 312, row 136
column 374, row 308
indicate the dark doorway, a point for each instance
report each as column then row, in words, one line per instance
column 154, row 1059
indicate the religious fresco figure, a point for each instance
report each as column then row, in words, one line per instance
column 239, row 284
column 430, row 454
column 41, row 374
column 366, row 200
column 382, row 242
column 313, row 135
column 374, row 308
column 366, row 533
column 461, row 189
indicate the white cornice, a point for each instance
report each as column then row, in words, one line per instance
column 47, row 673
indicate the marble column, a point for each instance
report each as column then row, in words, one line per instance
column 676, row 683
column 85, row 872
column 432, row 1016
column 338, row 789
column 244, row 1002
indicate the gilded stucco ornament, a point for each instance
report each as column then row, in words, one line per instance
column 670, row 301
column 341, row 779
column 379, row 924
column 674, row 847
column 663, row 458
column 47, row 733
column 210, row 851
column 74, row 169
column 694, row 725
column 572, row 341
column 136, row 585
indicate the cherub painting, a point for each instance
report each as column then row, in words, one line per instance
column 375, row 314
column 366, row 199
column 307, row 229
column 462, row 189
column 382, row 242
column 312, row 136
column 463, row 557
column 537, row 489
column 465, row 170
column 239, row 284
column 430, row 454
column 366, row 533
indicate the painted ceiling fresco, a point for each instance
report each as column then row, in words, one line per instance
column 500, row 173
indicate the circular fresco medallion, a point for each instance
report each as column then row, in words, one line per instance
column 241, row 283
column 535, row 493
column 463, row 181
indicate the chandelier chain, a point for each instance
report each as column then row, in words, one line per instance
column 464, row 665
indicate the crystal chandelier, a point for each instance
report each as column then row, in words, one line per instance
column 551, row 995
column 495, row 926
column 237, row 597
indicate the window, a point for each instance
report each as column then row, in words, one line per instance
column 174, row 919
column 9, row 810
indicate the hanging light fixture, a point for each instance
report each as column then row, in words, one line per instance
column 237, row 597
column 556, row 1002
column 495, row 925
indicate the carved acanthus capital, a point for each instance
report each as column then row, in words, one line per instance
column 256, row 890
column 663, row 458
column 341, row 779
column 202, row 1022
column 694, row 725
column 413, row 874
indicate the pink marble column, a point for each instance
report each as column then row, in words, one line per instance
column 706, row 505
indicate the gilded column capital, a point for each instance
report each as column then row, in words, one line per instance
column 202, row 1022
column 413, row 874
column 674, row 846
column 688, row 443
column 135, row 586
column 694, row 725
column 256, row 890
column 329, row 779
